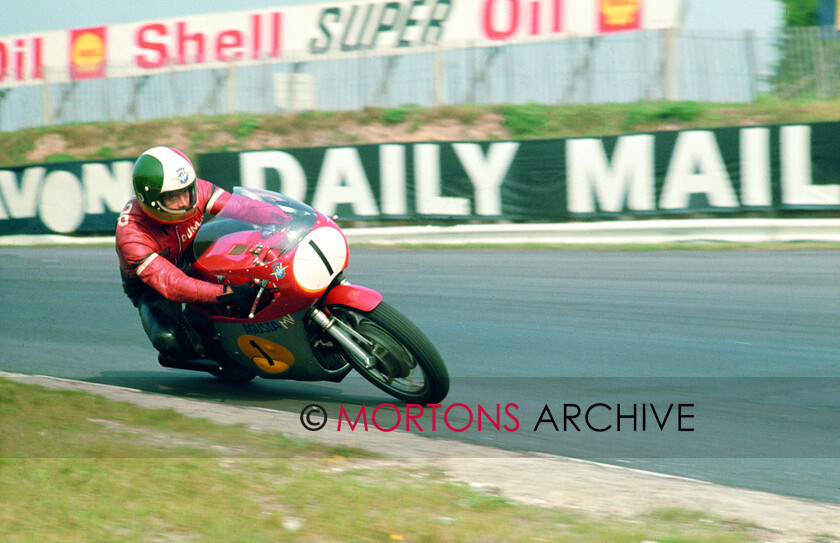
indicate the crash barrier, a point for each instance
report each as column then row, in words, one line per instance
column 761, row 171
column 642, row 232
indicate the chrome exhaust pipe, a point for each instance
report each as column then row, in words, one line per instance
column 344, row 339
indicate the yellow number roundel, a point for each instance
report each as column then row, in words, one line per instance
column 267, row 355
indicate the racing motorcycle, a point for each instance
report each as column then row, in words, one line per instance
column 307, row 322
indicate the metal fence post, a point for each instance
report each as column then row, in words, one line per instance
column 752, row 69
column 46, row 99
column 439, row 77
column 231, row 89
column 670, row 66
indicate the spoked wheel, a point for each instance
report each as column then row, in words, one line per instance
column 406, row 364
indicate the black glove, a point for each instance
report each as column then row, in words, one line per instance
column 241, row 296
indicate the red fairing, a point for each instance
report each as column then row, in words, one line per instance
column 361, row 298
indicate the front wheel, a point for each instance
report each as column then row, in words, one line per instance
column 406, row 364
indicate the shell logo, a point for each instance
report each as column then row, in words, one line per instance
column 619, row 14
column 87, row 53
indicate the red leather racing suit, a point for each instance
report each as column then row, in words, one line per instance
column 149, row 252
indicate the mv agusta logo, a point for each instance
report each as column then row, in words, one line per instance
column 270, row 326
column 279, row 271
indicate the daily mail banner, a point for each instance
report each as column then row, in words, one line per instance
column 725, row 171
column 313, row 32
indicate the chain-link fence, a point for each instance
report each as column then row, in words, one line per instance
column 809, row 66
column 624, row 67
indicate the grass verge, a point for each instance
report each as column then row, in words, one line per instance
column 249, row 131
column 76, row 467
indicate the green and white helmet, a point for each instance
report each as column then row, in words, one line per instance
column 159, row 171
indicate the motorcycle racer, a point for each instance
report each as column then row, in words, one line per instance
column 154, row 234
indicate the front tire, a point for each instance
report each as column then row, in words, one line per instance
column 407, row 365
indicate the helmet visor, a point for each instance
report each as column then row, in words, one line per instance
column 179, row 201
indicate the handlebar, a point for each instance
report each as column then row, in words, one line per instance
column 262, row 283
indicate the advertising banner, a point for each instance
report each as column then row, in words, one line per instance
column 64, row 198
column 718, row 172
column 311, row 32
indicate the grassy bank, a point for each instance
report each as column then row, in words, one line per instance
column 76, row 467
column 203, row 134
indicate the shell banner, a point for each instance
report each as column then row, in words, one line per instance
column 311, row 32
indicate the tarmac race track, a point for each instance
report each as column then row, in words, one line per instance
column 722, row 366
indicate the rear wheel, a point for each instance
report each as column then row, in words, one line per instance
column 406, row 364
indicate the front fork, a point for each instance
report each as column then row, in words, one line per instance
column 344, row 335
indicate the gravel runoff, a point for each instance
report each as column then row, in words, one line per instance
column 538, row 479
